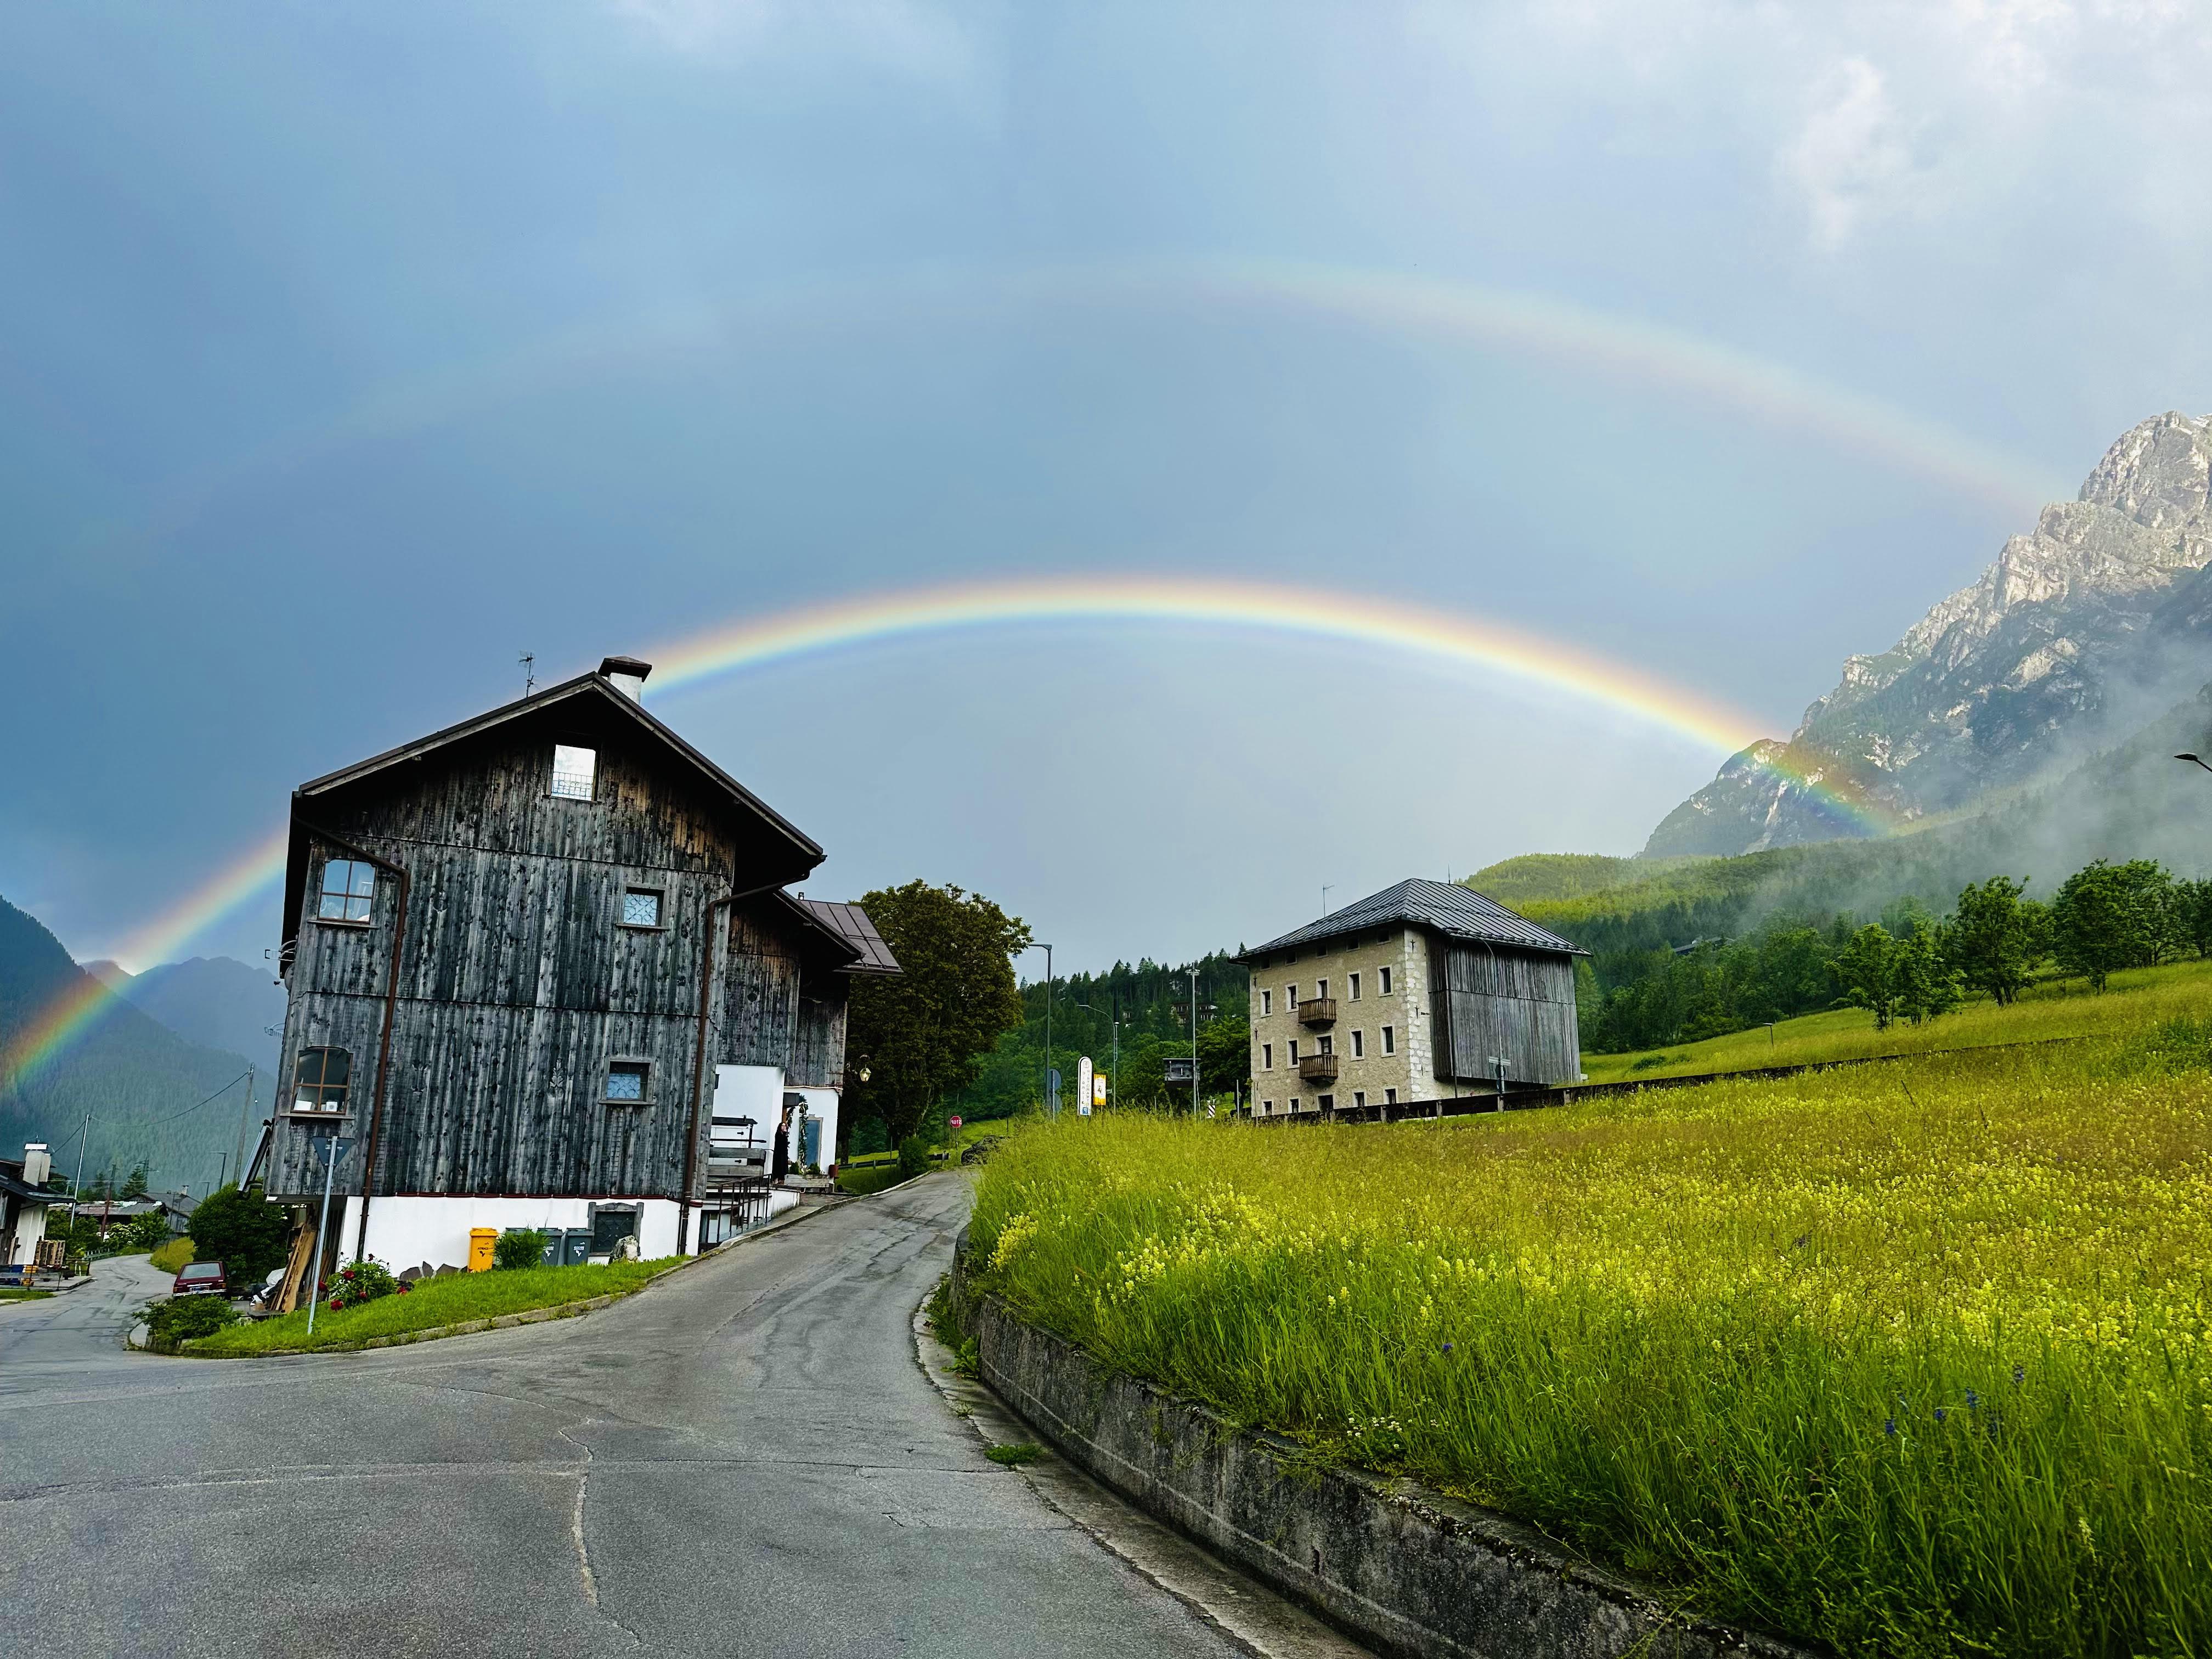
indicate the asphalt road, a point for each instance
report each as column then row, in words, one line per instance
column 745, row 1459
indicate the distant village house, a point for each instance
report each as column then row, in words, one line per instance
column 1422, row 993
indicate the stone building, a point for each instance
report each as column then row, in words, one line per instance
column 1426, row 991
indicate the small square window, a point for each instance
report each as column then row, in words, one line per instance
column 640, row 908
column 1389, row 1097
column 1382, row 982
column 626, row 1081
column 348, row 887
column 576, row 772
column 1266, row 1107
column 1389, row 1041
column 1358, row 1100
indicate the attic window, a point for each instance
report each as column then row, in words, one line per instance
column 349, row 885
column 626, row 1081
column 641, row 908
column 575, row 772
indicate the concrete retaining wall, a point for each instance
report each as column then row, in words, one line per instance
column 1402, row 1569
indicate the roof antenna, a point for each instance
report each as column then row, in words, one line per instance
column 1324, row 897
column 529, row 661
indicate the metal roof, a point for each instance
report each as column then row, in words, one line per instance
column 850, row 922
column 1445, row 906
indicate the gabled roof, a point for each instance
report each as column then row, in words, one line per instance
column 1443, row 907
column 593, row 695
column 851, row 923
column 13, row 1185
column 584, row 686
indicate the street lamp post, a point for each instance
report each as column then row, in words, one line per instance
column 1193, row 1043
column 2193, row 758
column 1050, row 1102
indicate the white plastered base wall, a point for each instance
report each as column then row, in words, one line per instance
column 408, row 1232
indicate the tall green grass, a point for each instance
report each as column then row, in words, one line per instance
column 1907, row 1360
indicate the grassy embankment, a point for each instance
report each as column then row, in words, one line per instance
column 2055, row 1009
column 434, row 1302
column 1907, row 1358
column 12, row 1294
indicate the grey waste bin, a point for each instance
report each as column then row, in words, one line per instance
column 576, row 1246
column 552, row 1247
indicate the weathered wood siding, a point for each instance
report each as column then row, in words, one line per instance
column 518, row 986
column 1514, row 1003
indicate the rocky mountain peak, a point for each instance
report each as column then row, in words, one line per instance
column 1998, row 678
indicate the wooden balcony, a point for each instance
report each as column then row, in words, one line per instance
column 1317, row 1068
column 1317, row 1010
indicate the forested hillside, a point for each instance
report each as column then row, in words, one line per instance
column 146, row 1088
column 1152, row 1003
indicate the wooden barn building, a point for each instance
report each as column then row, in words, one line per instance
column 1424, row 992
column 543, row 973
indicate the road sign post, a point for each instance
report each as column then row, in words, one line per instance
column 332, row 1149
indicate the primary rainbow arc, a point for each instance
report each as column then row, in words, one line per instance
column 1291, row 612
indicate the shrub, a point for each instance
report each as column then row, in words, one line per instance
column 180, row 1318
column 172, row 1257
column 244, row 1231
column 913, row 1157
column 361, row 1281
column 519, row 1246
column 147, row 1232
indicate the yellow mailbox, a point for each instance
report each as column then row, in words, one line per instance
column 481, row 1240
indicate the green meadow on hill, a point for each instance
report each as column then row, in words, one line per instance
column 2055, row 1011
column 1912, row 1358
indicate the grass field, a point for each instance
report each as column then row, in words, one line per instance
column 1909, row 1359
column 12, row 1294
column 2055, row 1009
column 436, row 1302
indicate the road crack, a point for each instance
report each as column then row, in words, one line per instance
column 576, row 1536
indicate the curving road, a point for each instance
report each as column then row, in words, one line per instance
column 745, row 1459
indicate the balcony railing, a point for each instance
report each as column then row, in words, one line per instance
column 1317, row 1010
column 1318, row 1068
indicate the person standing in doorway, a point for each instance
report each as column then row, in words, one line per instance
column 780, row 1155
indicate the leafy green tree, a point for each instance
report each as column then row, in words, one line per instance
column 134, row 1185
column 2192, row 907
column 920, row 1034
column 1996, row 936
column 1927, row 985
column 1224, row 1054
column 244, row 1231
column 2110, row 916
column 148, row 1232
column 868, row 1135
column 1868, row 970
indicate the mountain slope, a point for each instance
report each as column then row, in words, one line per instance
column 2082, row 629
column 217, row 1002
column 146, row 1088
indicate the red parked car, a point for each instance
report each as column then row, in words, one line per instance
column 201, row 1278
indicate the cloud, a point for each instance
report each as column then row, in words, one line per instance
column 1868, row 118
column 1851, row 155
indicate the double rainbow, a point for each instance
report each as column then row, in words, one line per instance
column 1439, row 638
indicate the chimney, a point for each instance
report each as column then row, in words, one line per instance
column 37, row 1166
column 627, row 675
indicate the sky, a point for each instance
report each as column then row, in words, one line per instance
column 348, row 352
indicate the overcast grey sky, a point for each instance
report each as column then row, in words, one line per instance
column 347, row 352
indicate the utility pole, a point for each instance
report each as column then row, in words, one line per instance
column 237, row 1157
column 1194, row 1044
column 84, row 1138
